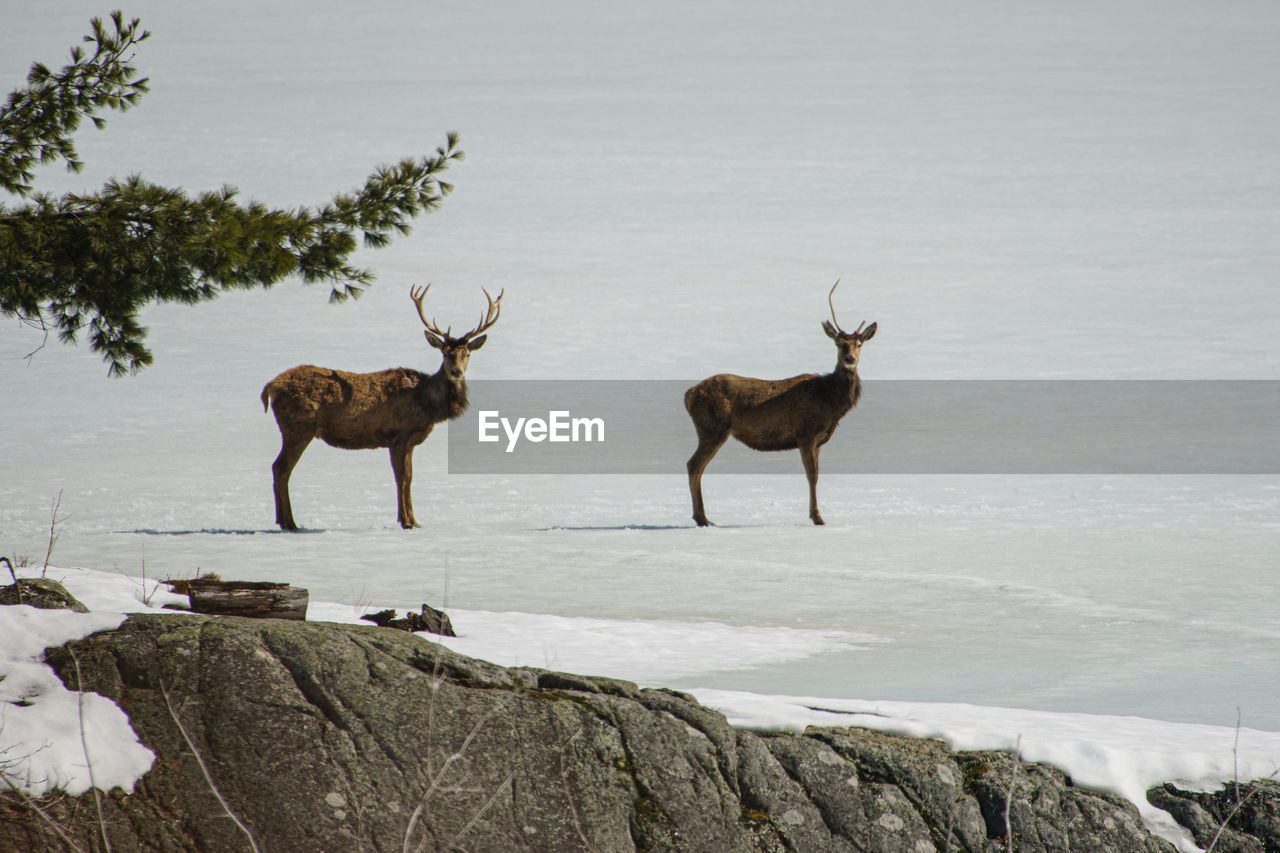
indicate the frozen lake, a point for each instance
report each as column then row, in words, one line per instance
column 1081, row 192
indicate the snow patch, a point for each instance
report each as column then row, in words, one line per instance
column 51, row 737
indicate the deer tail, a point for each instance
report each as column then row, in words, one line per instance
column 266, row 394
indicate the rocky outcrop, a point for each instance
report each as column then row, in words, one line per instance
column 43, row 593
column 1237, row 819
column 338, row 737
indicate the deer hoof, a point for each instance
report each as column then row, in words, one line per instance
column 702, row 522
column 817, row 519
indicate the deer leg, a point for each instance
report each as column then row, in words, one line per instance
column 809, row 456
column 402, row 467
column 281, row 469
column 408, row 487
column 708, row 445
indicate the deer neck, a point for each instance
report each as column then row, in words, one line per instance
column 443, row 389
column 845, row 384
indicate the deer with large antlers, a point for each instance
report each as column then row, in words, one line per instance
column 394, row 408
column 800, row 412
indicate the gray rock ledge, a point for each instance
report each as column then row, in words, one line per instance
column 325, row 737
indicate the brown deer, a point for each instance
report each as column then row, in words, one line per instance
column 394, row 408
column 800, row 412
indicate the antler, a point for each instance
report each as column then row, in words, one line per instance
column 490, row 316
column 417, row 294
column 833, row 313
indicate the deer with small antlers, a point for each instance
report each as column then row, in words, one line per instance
column 394, row 408
column 800, row 412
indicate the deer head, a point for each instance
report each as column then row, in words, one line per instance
column 456, row 351
column 848, row 344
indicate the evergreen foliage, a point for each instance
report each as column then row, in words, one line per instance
column 92, row 261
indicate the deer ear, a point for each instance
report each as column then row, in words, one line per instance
column 477, row 343
column 830, row 330
column 868, row 334
column 436, row 342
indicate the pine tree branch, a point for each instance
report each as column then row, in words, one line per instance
column 37, row 122
column 92, row 262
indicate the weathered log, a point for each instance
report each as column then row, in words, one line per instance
column 244, row 598
column 430, row 620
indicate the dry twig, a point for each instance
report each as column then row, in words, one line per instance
column 205, row 770
column 54, row 521
column 84, row 746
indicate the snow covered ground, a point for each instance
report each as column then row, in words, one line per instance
column 1013, row 191
column 1115, row 595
